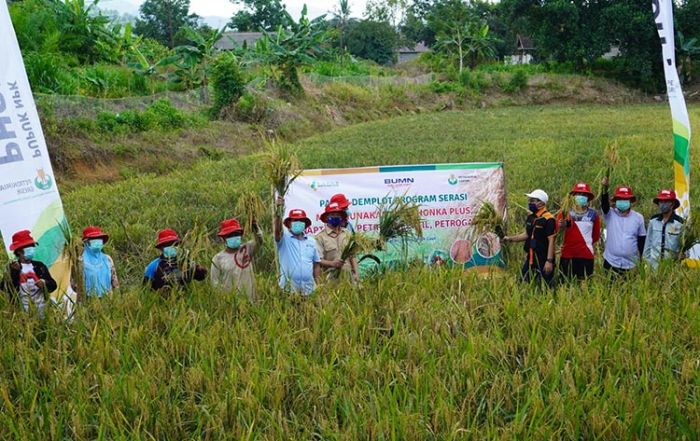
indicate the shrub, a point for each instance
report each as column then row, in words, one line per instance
column 228, row 82
column 165, row 115
column 251, row 107
column 517, row 82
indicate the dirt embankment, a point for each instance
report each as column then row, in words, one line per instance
column 83, row 156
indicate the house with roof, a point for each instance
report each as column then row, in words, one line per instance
column 524, row 51
column 237, row 40
column 408, row 53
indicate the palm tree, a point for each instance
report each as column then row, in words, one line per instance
column 342, row 16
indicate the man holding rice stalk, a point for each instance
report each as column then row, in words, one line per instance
column 665, row 230
column 232, row 268
column 581, row 227
column 172, row 272
column 625, row 232
column 299, row 261
column 332, row 241
column 539, row 235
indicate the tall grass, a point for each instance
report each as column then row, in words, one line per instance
column 419, row 354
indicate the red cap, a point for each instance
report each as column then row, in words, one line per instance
column 93, row 232
column 583, row 188
column 623, row 192
column 333, row 207
column 22, row 239
column 230, row 226
column 341, row 200
column 668, row 195
column 167, row 236
column 297, row 215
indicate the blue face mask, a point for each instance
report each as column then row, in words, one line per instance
column 297, row 227
column 623, row 204
column 335, row 221
column 532, row 207
column 96, row 244
column 581, row 200
column 233, row 242
column 169, row 252
column 29, row 253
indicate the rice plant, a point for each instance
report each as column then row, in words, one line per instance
column 398, row 219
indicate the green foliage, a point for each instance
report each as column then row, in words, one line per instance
column 288, row 50
column 164, row 20
column 160, row 115
column 260, row 15
column 251, row 107
column 228, row 82
column 372, row 40
column 517, row 81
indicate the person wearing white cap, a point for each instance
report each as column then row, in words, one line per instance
column 540, row 230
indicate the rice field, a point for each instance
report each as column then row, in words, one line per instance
column 414, row 355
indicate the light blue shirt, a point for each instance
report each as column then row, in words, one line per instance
column 297, row 259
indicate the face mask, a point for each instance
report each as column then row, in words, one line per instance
column 335, row 221
column 96, row 244
column 532, row 207
column 297, row 227
column 233, row 242
column 623, row 204
column 665, row 207
column 169, row 252
column 29, row 253
column 581, row 201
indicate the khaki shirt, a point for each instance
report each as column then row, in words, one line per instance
column 234, row 271
column 331, row 245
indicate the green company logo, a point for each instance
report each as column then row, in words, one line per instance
column 452, row 180
column 42, row 180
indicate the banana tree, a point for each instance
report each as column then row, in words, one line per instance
column 288, row 50
column 192, row 61
column 688, row 49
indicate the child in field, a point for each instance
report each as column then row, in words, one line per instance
column 332, row 240
column 299, row 260
column 169, row 273
column 99, row 273
column 665, row 230
column 232, row 268
column 624, row 241
column 581, row 227
column 28, row 278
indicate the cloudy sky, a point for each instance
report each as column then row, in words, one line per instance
column 224, row 8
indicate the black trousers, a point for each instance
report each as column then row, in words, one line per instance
column 618, row 271
column 575, row 268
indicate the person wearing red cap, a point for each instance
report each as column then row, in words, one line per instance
column 29, row 278
column 664, row 231
column 581, row 227
column 169, row 272
column 625, row 232
column 232, row 268
column 99, row 273
column 300, row 263
column 332, row 240
column 344, row 204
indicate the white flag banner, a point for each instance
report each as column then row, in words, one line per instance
column 663, row 16
column 29, row 198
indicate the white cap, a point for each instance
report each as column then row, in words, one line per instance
column 538, row 194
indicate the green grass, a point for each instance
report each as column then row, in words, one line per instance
column 417, row 355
